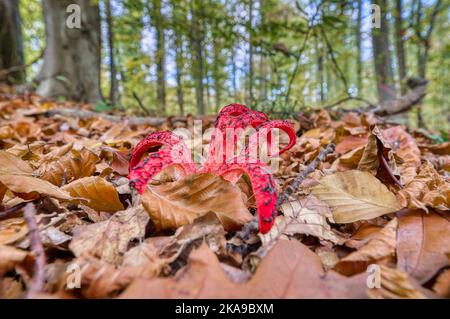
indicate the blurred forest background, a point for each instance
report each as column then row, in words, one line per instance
column 174, row 57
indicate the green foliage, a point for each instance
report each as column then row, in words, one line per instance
column 290, row 39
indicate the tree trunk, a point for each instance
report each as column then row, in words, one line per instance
column 234, row 72
column 216, row 75
column 196, row 37
column 399, row 45
column 250, row 54
column 382, row 57
column 320, row 76
column 11, row 42
column 114, row 89
column 160, row 55
column 179, row 71
column 71, row 65
column 359, row 48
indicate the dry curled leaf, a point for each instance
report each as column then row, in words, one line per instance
column 175, row 204
column 109, row 239
column 442, row 284
column 73, row 165
column 355, row 195
column 290, row 270
column 380, row 248
column 12, row 230
column 405, row 147
column 31, row 187
column 395, row 284
column 309, row 215
column 99, row 193
column 13, row 165
column 427, row 189
column 10, row 257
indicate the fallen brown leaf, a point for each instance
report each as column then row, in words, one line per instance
column 379, row 249
column 109, row 239
column 290, row 270
column 175, row 204
column 73, row 165
column 31, row 187
column 355, row 195
column 423, row 241
column 427, row 189
column 10, row 257
column 13, row 165
column 99, row 193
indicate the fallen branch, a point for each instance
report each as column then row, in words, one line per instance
column 132, row 120
column 417, row 92
column 38, row 280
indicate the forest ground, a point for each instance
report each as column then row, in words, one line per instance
column 371, row 220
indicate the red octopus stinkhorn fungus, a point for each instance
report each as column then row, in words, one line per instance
column 160, row 150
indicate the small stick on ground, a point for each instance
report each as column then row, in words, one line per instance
column 252, row 226
column 292, row 187
column 38, row 280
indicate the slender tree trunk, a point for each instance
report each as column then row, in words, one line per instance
column 250, row 54
column 179, row 70
column 160, row 55
column 71, row 65
column 234, row 72
column 382, row 57
column 114, row 88
column 216, row 75
column 359, row 48
column 11, row 42
column 320, row 76
column 399, row 45
column 197, row 36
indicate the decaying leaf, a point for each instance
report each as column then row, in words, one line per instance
column 427, row 189
column 13, row 165
column 109, row 239
column 10, row 257
column 99, row 193
column 174, row 204
column 442, row 285
column 355, row 195
column 423, row 242
column 32, row 187
column 395, row 284
column 294, row 272
column 73, row 165
column 380, row 249
column 309, row 215
column 12, row 230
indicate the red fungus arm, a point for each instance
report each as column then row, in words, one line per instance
column 267, row 127
column 175, row 153
column 263, row 185
column 155, row 139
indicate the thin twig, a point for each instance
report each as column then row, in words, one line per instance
column 141, row 105
column 38, row 280
column 292, row 187
column 11, row 212
column 16, row 68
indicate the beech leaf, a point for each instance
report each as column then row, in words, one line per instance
column 99, row 193
column 355, row 195
column 178, row 203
